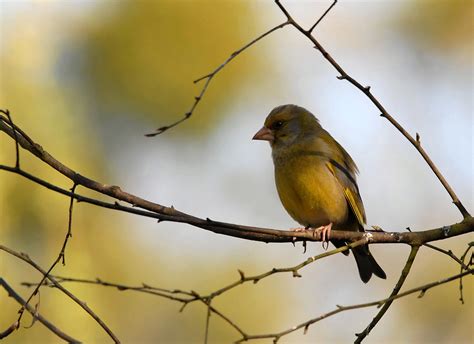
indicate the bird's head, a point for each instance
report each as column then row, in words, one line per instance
column 287, row 124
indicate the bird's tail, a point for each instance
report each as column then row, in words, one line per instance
column 367, row 264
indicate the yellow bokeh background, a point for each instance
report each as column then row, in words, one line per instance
column 87, row 80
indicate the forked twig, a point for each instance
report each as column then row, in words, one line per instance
column 53, row 328
column 24, row 257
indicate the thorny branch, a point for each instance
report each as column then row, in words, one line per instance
column 145, row 288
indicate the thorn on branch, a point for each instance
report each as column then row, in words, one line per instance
column 242, row 275
column 296, row 274
column 305, row 330
column 367, row 89
column 183, row 307
column 422, row 293
column 418, row 138
column 341, row 77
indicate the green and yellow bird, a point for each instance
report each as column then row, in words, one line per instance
column 316, row 179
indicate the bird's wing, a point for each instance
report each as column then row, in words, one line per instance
column 344, row 171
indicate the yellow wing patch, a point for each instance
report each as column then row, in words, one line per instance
column 351, row 198
column 353, row 203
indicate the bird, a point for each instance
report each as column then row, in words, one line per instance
column 316, row 179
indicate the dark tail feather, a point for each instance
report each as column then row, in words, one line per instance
column 340, row 243
column 367, row 264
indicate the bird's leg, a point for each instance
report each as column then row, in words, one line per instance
column 325, row 234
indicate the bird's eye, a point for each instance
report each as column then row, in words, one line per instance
column 278, row 124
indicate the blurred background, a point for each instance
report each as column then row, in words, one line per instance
column 87, row 80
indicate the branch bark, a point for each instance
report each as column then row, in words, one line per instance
column 163, row 213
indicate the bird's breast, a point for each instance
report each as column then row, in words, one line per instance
column 309, row 191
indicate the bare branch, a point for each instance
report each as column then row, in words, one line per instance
column 321, row 18
column 15, row 136
column 210, row 76
column 449, row 253
column 305, row 325
column 386, row 305
column 53, row 328
column 24, row 257
column 164, row 213
column 56, row 261
column 463, row 257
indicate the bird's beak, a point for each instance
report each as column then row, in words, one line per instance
column 264, row 134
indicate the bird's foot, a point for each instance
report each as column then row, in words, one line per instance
column 325, row 234
column 299, row 229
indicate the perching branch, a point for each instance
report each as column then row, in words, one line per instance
column 163, row 213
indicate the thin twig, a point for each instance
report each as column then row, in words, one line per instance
column 171, row 294
column 208, row 320
column 53, row 328
column 17, row 148
column 449, row 253
column 463, row 257
column 305, row 325
column 24, row 257
column 210, row 76
column 294, row 270
column 321, row 18
column 56, row 261
column 401, row 280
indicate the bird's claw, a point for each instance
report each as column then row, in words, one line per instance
column 325, row 234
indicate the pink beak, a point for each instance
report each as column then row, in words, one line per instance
column 264, row 134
